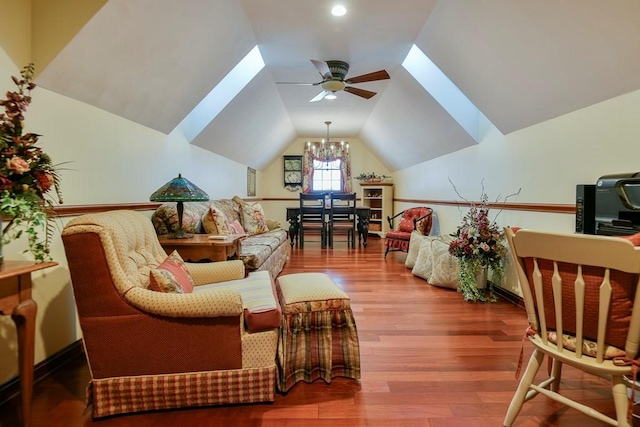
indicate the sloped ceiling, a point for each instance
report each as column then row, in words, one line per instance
column 520, row 63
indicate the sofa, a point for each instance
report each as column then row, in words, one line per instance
column 266, row 246
column 161, row 333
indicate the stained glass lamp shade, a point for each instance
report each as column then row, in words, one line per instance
column 179, row 190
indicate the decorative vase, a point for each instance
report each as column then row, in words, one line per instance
column 481, row 278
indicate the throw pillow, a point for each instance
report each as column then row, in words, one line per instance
column 414, row 249
column 236, row 228
column 253, row 219
column 634, row 239
column 424, row 225
column 423, row 264
column 171, row 276
column 214, row 222
column 406, row 225
column 444, row 266
column 272, row 225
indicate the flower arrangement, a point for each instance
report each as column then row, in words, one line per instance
column 479, row 245
column 365, row 176
column 27, row 174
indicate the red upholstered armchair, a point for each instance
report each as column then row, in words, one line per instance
column 419, row 218
column 150, row 350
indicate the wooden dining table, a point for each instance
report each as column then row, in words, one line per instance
column 362, row 224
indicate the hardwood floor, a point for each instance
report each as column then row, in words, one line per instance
column 428, row 359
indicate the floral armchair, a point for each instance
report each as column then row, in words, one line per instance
column 420, row 219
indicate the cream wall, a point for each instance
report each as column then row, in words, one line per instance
column 272, row 180
column 111, row 160
column 546, row 161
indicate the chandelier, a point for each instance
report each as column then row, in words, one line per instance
column 327, row 150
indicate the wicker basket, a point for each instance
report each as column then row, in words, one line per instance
column 375, row 227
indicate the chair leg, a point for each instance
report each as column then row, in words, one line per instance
column 301, row 238
column 620, row 400
column 535, row 361
column 386, row 252
column 328, row 237
column 323, row 239
column 556, row 372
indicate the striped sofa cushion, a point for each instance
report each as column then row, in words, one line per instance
column 261, row 307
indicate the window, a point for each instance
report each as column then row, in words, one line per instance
column 327, row 175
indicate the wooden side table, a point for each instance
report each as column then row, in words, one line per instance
column 15, row 300
column 200, row 248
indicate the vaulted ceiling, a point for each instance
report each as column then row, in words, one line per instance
column 519, row 62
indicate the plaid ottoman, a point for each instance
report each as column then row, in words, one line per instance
column 318, row 336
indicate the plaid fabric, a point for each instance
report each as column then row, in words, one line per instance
column 152, row 392
column 317, row 344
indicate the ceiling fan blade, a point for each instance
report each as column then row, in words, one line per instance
column 360, row 92
column 320, row 96
column 323, row 69
column 371, row 77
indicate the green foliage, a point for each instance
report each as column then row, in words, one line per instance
column 467, row 284
column 365, row 176
column 27, row 174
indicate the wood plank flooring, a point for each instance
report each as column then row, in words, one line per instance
column 428, row 359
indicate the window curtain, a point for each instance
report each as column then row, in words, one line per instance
column 309, row 156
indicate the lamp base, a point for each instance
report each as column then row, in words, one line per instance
column 180, row 234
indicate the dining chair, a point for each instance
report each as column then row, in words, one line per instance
column 312, row 217
column 342, row 217
column 580, row 294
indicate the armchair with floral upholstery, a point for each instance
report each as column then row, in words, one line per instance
column 420, row 219
column 162, row 333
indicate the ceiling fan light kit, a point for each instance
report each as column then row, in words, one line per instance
column 334, row 79
column 338, row 10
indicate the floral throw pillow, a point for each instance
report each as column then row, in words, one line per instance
column 253, row 219
column 214, row 222
column 171, row 276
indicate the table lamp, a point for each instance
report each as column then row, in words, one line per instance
column 179, row 190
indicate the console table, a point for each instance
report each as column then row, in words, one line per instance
column 362, row 212
column 15, row 300
column 200, row 248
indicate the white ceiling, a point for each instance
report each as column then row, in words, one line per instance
column 520, row 62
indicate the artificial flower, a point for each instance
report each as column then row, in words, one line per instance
column 27, row 174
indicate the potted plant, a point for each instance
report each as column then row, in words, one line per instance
column 479, row 246
column 27, row 175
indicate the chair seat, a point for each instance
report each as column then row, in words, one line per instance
column 401, row 235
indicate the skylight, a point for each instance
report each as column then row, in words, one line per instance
column 221, row 95
column 434, row 81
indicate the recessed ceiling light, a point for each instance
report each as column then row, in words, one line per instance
column 330, row 96
column 338, row 10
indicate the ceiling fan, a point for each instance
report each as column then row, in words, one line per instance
column 334, row 79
